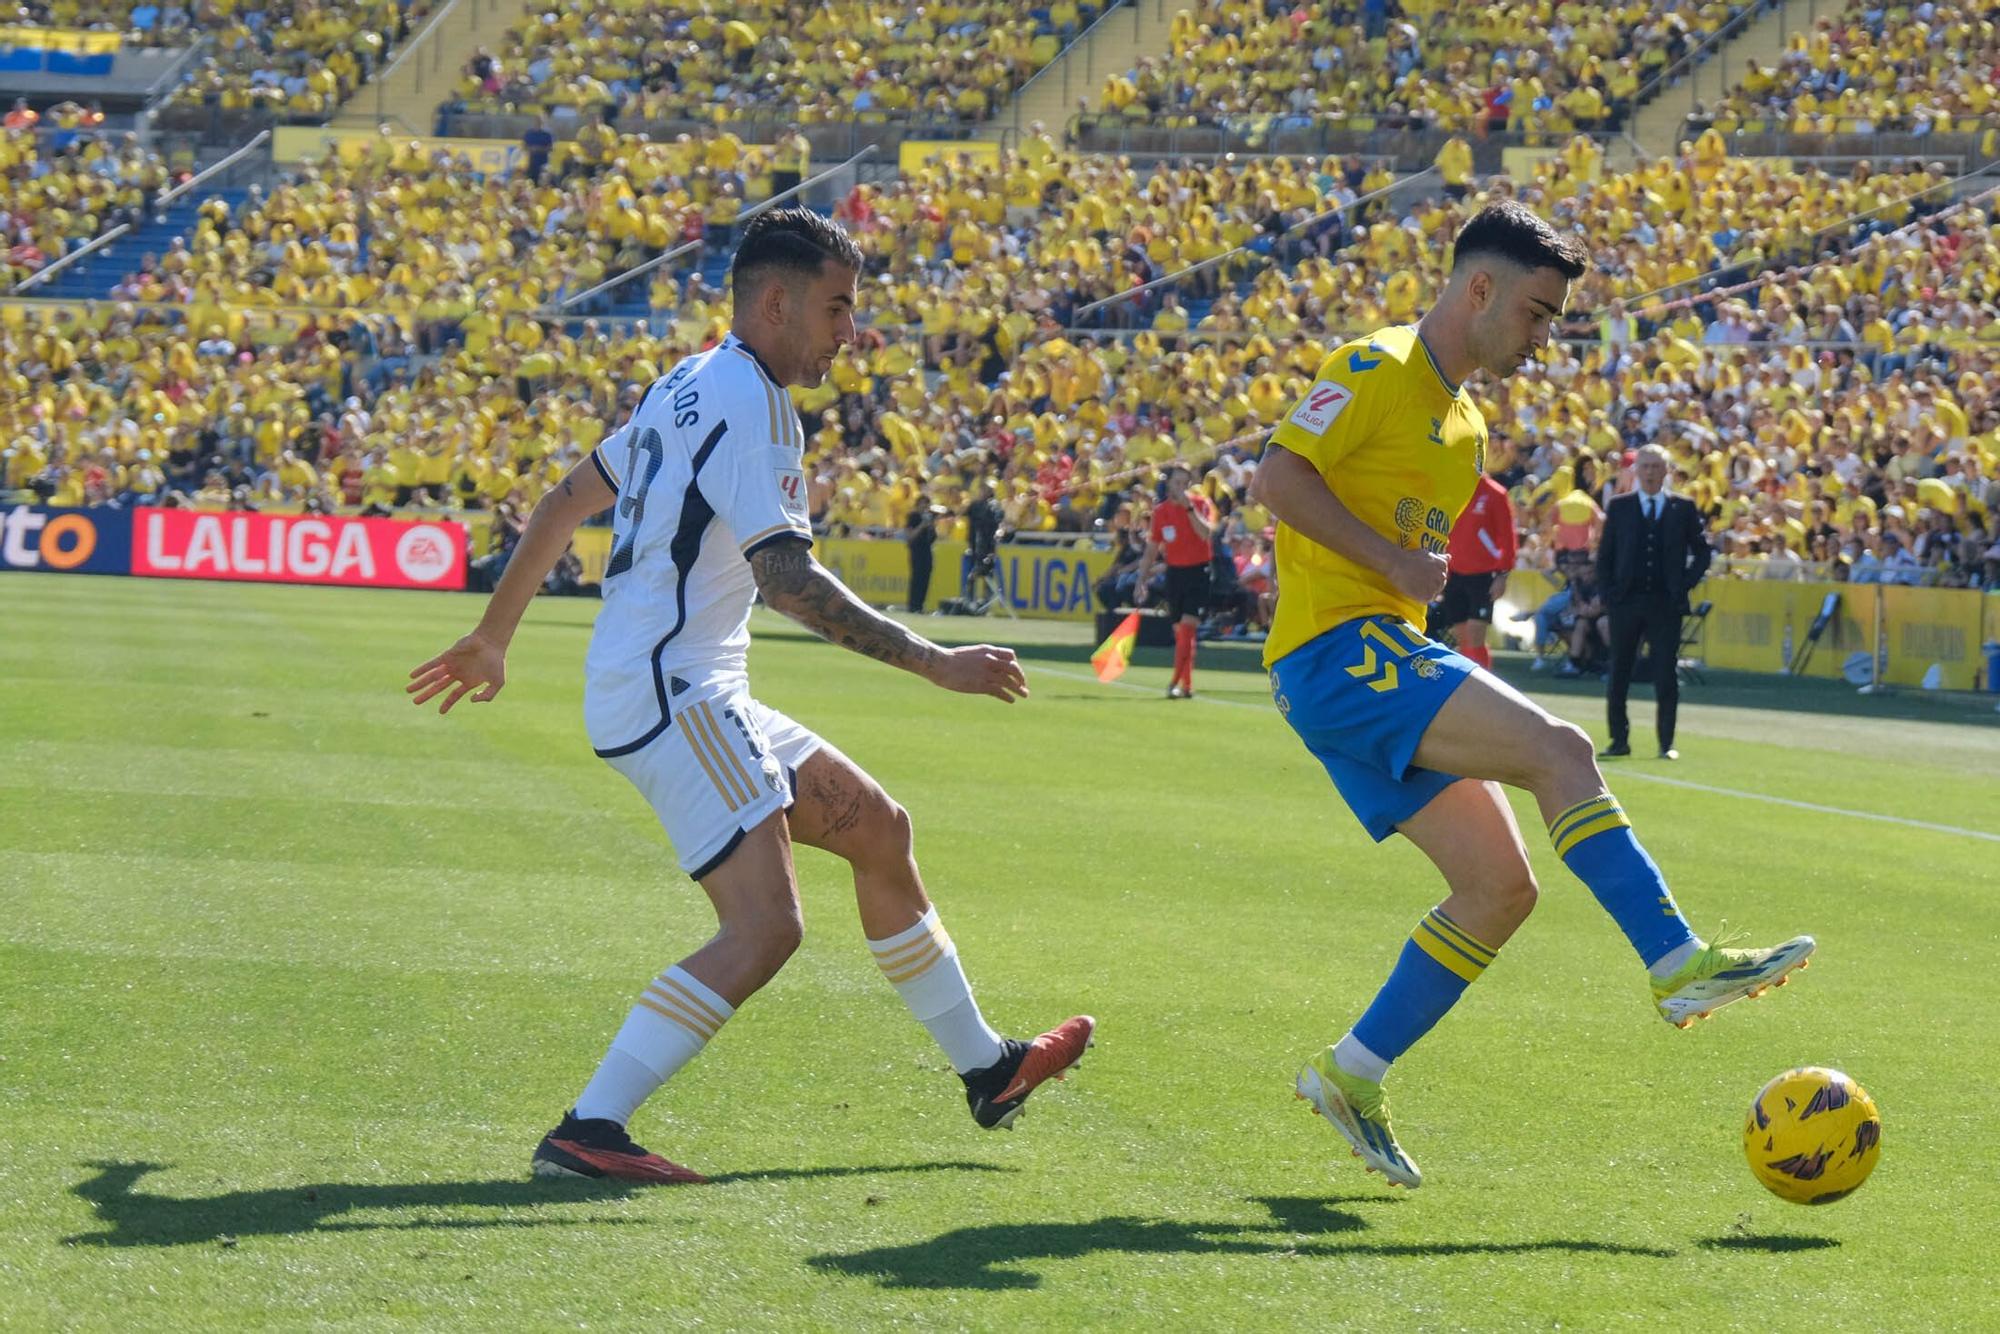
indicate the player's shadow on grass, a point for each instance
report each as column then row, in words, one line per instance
column 1773, row 1243
column 141, row 1218
column 992, row 1257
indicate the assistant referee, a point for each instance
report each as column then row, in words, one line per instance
column 1183, row 523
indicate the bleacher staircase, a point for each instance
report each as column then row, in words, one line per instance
column 428, row 67
column 1657, row 127
column 1111, row 46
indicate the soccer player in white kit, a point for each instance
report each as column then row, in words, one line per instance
column 708, row 481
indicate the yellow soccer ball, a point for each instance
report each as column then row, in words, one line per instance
column 1812, row 1136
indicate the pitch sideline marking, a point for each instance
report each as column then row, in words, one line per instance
column 1623, row 775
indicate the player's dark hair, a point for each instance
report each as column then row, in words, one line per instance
column 1514, row 232
column 795, row 243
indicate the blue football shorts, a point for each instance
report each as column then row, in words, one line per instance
column 1360, row 697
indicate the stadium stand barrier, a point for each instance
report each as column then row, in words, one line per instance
column 829, row 139
column 1758, row 625
column 1978, row 143
column 1410, row 144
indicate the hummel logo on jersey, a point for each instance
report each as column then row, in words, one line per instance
column 1323, row 402
column 1436, row 436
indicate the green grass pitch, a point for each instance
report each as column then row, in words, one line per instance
column 293, row 976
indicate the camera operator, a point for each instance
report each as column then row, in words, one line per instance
column 920, row 533
column 983, row 518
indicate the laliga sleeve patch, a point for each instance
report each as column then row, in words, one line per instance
column 1323, row 403
column 792, row 491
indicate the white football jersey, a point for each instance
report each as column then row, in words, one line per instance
column 708, row 470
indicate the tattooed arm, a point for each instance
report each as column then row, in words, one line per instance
column 796, row 585
column 479, row 660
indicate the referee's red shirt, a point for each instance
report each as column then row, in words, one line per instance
column 1482, row 541
column 1173, row 529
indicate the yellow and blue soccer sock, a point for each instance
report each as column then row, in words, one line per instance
column 1596, row 842
column 922, row 964
column 1439, row 961
column 674, row 1019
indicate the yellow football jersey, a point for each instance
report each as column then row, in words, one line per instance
column 1402, row 448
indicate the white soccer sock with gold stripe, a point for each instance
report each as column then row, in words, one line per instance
column 669, row 1026
column 922, row 964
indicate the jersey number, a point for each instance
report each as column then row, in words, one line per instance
column 1378, row 672
column 632, row 505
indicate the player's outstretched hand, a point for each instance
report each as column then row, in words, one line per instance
column 1419, row 575
column 981, row 669
column 471, row 664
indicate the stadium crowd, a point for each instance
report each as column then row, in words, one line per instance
column 1925, row 68
column 298, row 59
column 411, row 233
column 1835, row 414
column 65, row 183
column 1510, row 65
column 852, row 59
column 138, row 22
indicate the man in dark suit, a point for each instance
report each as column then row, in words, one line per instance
column 1653, row 551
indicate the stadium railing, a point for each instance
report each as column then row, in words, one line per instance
column 828, row 138
column 1877, row 145
column 1411, row 143
column 47, row 271
column 1689, row 66
column 432, row 67
column 1239, row 252
column 1842, row 163
column 619, row 280
column 1062, row 66
column 220, row 170
column 1736, row 279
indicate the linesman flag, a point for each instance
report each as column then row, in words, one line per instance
column 1114, row 655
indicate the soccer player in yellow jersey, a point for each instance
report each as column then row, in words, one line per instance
column 1366, row 477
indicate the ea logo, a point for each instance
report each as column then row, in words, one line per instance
column 424, row 554
column 64, row 542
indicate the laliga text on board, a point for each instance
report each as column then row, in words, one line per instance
column 237, row 546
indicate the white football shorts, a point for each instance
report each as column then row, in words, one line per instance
column 723, row 765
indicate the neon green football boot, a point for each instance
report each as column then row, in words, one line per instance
column 1718, row 975
column 1356, row 1108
